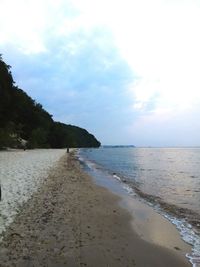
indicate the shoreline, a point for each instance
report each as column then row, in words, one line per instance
column 145, row 219
column 71, row 221
column 107, row 174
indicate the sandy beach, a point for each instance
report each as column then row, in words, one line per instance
column 71, row 221
column 21, row 174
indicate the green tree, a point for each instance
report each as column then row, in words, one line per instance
column 22, row 117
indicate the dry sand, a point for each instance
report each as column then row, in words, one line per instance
column 21, row 174
column 72, row 222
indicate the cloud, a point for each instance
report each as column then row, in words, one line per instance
column 168, row 128
column 26, row 25
column 136, row 61
column 78, row 78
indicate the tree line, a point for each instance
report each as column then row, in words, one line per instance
column 24, row 122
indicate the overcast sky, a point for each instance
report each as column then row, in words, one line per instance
column 128, row 70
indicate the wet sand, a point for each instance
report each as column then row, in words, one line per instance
column 71, row 221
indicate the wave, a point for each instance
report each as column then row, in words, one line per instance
column 185, row 220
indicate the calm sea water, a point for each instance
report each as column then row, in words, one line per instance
column 166, row 178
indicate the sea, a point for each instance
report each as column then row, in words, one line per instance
column 168, row 179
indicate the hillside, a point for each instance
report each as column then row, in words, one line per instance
column 23, row 120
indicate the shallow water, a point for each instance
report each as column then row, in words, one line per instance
column 166, row 178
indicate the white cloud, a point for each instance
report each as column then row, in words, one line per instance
column 166, row 127
column 164, row 53
column 22, row 24
column 28, row 25
column 159, row 39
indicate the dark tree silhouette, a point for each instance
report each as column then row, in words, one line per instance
column 21, row 117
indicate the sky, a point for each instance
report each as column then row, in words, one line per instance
column 126, row 70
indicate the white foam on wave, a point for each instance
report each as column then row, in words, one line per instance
column 117, row 177
column 129, row 190
column 185, row 229
column 91, row 165
column 190, row 237
column 21, row 174
column 187, row 234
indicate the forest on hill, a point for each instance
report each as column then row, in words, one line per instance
column 24, row 122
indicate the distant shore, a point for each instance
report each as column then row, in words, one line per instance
column 70, row 221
